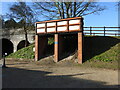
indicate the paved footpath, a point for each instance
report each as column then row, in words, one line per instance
column 29, row 75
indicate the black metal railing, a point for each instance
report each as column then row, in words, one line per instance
column 102, row 31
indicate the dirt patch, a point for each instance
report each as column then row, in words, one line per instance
column 64, row 74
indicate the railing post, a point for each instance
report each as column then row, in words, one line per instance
column 104, row 30
column 90, row 30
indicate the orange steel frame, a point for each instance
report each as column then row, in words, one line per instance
column 56, row 36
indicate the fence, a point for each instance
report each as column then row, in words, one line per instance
column 102, row 31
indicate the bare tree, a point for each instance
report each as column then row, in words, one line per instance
column 67, row 9
column 23, row 12
column 2, row 22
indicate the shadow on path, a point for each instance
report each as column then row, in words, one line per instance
column 22, row 78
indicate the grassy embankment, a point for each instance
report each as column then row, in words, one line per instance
column 102, row 52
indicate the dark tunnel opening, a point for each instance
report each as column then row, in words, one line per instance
column 22, row 44
column 46, row 45
column 69, row 45
column 7, row 47
column 50, row 45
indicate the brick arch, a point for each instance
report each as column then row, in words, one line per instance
column 21, row 44
column 7, row 46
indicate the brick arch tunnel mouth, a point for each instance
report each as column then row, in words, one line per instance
column 21, row 44
column 7, row 46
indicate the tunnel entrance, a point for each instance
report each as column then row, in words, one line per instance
column 50, row 45
column 46, row 46
column 70, row 45
column 7, row 47
column 22, row 44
